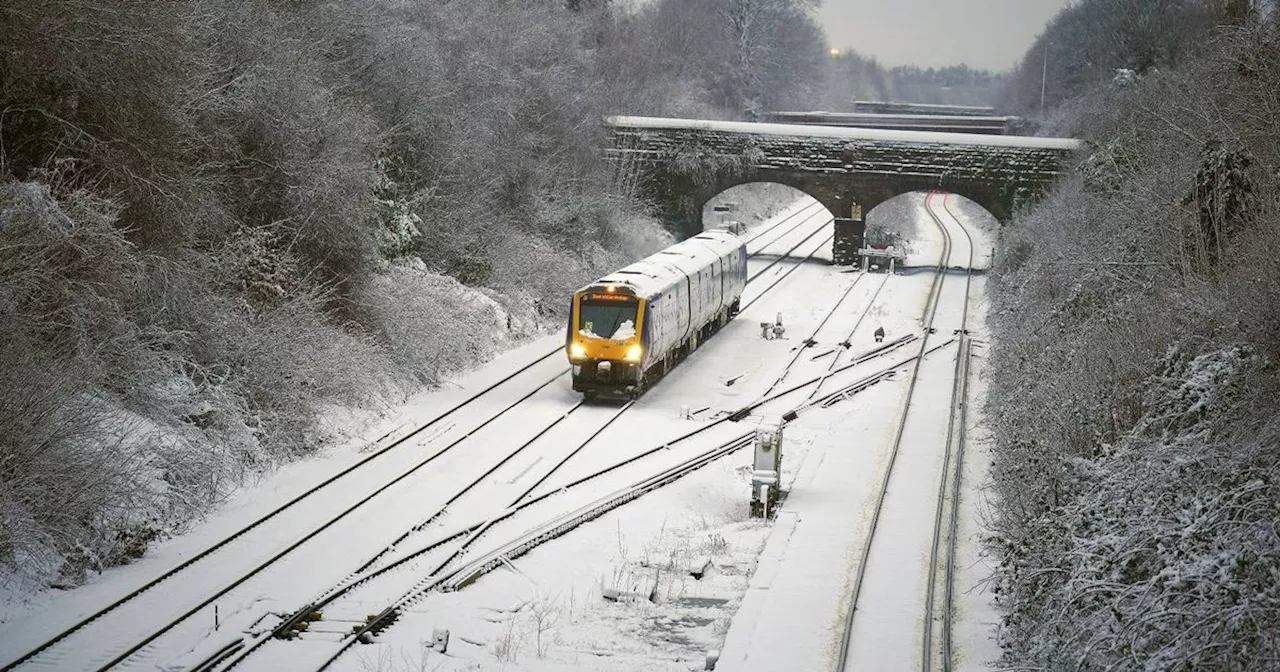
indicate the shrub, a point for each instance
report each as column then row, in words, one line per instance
column 1133, row 397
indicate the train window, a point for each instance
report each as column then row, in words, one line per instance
column 607, row 319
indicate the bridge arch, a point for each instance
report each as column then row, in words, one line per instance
column 696, row 221
column 749, row 196
column 999, row 202
column 683, row 208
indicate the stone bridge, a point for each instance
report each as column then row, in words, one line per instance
column 681, row 164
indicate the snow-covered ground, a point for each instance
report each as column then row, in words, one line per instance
column 772, row 596
column 679, row 563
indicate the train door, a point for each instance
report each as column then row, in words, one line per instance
column 685, row 306
column 695, row 294
column 651, row 333
column 672, row 328
column 720, row 276
column 711, row 305
column 702, row 297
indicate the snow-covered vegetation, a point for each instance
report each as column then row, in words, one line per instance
column 1134, row 401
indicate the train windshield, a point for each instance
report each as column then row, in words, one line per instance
column 607, row 319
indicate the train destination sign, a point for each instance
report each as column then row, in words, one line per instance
column 609, row 297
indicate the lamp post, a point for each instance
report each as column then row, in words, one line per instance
column 1044, row 76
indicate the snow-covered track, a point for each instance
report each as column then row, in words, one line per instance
column 51, row 650
column 458, row 577
column 835, row 358
column 932, row 302
column 442, row 562
column 794, row 266
column 435, row 553
column 140, row 645
column 788, row 254
column 948, row 502
column 772, row 227
column 842, row 345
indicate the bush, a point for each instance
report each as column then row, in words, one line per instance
column 434, row 325
column 1133, row 398
column 78, row 471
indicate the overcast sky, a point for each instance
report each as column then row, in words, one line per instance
column 990, row 34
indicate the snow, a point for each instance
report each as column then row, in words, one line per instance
column 873, row 116
column 663, row 269
column 766, row 595
column 790, row 615
column 976, row 618
column 793, row 613
column 841, row 133
column 624, row 331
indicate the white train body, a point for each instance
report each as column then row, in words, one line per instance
column 631, row 326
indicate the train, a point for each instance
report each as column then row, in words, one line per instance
column 629, row 328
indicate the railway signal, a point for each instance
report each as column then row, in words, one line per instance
column 766, row 474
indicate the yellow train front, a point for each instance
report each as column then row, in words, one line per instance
column 607, row 347
column 631, row 327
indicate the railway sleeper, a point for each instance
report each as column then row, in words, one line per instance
column 297, row 623
column 374, row 625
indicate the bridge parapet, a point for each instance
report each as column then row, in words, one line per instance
column 885, row 107
column 946, row 123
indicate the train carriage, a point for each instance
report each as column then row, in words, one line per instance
column 630, row 327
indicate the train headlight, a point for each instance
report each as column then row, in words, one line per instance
column 577, row 351
column 634, row 353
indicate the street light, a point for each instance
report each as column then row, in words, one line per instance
column 1044, row 76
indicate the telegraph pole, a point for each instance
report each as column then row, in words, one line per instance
column 1044, row 76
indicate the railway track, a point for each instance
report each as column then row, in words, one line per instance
column 787, row 273
column 811, row 209
column 940, row 569
column 788, row 255
column 154, row 589
column 837, row 353
column 342, row 604
column 447, row 576
column 55, row 651
column 839, row 346
column 948, row 498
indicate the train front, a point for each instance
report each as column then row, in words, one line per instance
column 604, row 341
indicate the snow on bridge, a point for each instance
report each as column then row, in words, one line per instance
column 837, row 133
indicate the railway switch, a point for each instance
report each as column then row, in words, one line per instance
column 766, row 473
